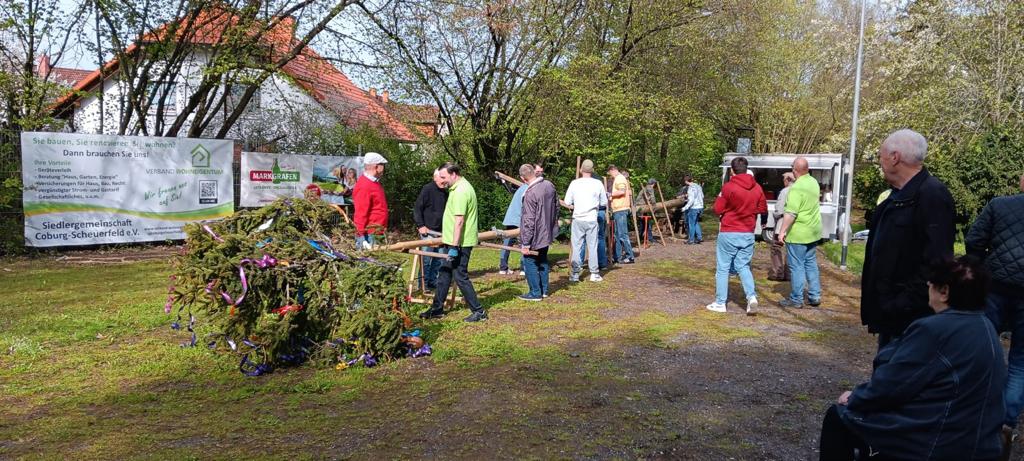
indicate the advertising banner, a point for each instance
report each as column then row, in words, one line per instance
column 83, row 189
column 267, row 177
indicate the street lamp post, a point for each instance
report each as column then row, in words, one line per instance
column 847, row 229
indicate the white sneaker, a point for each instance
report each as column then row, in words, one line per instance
column 716, row 307
column 520, row 272
column 595, row 278
column 504, row 272
column 752, row 305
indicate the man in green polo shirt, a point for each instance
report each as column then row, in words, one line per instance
column 801, row 230
column 459, row 235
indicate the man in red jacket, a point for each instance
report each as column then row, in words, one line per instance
column 370, row 213
column 738, row 205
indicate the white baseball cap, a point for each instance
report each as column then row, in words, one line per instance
column 373, row 158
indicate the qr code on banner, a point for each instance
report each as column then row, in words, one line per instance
column 207, row 192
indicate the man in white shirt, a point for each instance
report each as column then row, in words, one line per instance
column 585, row 195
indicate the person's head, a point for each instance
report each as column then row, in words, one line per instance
column 350, row 174
column 449, row 173
column 538, row 170
column 587, row 168
column 960, row 284
column 739, row 165
column 437, row 179
column 788, row 179
column 800, row 167
column 527, row 172
column 901, row 156
column 687, row 179
column 373, row 164
column 613, row 171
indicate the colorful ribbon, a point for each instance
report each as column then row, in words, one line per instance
column 213, row 234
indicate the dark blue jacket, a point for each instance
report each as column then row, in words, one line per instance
column 911, row 230
column 997, row 236
column 936, row 392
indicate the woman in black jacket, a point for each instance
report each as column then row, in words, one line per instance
column 936, row 393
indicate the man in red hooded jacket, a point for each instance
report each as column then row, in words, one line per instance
column 741, row 200
column 370, row 206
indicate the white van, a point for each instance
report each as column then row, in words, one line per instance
column 768, row 170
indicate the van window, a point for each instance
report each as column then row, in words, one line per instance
column 770, row 180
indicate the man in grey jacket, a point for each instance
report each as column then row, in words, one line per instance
column 538, row 228
column 997, row 236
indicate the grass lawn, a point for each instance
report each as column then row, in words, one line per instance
column 855, row 253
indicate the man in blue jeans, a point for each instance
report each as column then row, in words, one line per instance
column 602, row 246
column 738, row 205
column 427, row 213
column 801, row 231
column 620, row 205
column 998, row 237
column 538, row 229
column 692, row 209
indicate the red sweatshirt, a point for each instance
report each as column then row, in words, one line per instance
column 370, row 207
column 739, row 204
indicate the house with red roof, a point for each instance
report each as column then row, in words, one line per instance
column 307, row 91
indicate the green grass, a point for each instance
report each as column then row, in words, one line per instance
column 855, row 254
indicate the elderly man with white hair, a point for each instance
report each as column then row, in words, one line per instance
column 911, row 229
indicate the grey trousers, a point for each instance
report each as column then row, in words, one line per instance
column 584, row 230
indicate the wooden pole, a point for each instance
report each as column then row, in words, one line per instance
column 413, row 273
column 519, row 183
column 427, row 253
column 668, row 217
column 495, row 246
column 649, row 198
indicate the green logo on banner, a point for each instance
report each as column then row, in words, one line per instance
column 200, row 157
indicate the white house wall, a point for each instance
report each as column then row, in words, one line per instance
column 281, row 108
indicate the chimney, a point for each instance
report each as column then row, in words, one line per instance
column 44, row 66
column 384, row 96
column 373, row 93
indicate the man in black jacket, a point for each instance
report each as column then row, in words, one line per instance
column 427, row 213
column 911, row 229
column 997, row 236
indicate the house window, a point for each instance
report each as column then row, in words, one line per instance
column 166, row 90
column 234, row 98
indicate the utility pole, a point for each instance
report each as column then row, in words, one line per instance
column 847, row 228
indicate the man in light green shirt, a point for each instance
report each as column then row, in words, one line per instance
column 801, row 230
column 459, row 235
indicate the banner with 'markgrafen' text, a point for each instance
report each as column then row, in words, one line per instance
column 83, row 189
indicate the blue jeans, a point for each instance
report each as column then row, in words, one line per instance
column 623, row 249
column 430, row 266
column 537, row 270
column 693, row 233
column 733, row 251
column 602, row 246
column 803, row 266
column 503, row 259
column 1009, row 311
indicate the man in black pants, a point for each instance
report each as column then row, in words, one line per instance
column 427, row 213
column 459, row 234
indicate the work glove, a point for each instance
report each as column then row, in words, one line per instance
column 453, row 253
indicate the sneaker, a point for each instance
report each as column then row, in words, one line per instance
column 752, row 305
column 814, row 302
column 431, row 314
column 520, row 272
column 529, row 298
column 627, row 261
column 504, row 272
column 574, row 278
column 545, row 295
column 476, row 317
column 596, row 278
column 716, row 307
column 786, row 302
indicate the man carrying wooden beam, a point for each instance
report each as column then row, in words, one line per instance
column 459, row 234
column 620, row 205
column 538, row 228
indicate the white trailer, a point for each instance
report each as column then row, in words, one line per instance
column 768, row 170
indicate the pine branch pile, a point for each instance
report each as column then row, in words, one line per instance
column 283, row 284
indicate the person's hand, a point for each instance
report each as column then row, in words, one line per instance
column 525, row 250
column 780, row 237
column 423, row 230
column 453, row 253
column 845, row 398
